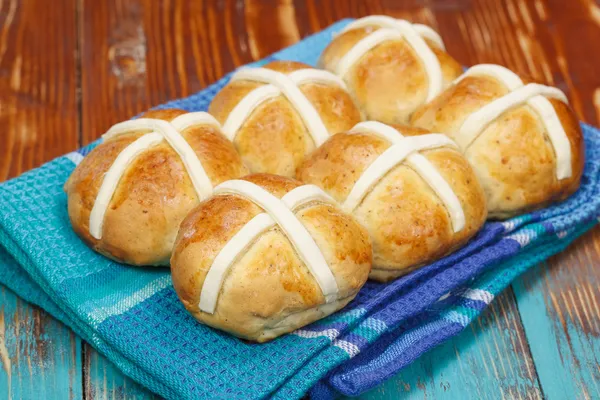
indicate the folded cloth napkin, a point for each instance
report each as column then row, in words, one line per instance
column 132, row 315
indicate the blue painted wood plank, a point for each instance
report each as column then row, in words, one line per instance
column 488, row 360
column 40, row 358
column 559, row 302
column 104, row 381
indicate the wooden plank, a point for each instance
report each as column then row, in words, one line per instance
column 102, row 380
column 559, row 302
column 572, row 29
column 38, row 110
column 41, row 358
column 477, row 364
column 281, row 30
column 138, row 54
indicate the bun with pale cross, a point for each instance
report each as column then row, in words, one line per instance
column 415, row 193
column 266, row 255
column 128, row 196
column 278, row 114
column 522, row 138
column 391, row 66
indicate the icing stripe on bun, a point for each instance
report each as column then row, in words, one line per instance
column 534, row 95
column 396, row 29
column 159, row 130
column 277, row 212
column 406, row 149
column 278, row 83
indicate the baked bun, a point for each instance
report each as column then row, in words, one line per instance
column 267, row 255
column 278, row 114
column 522, row 138
column 390, row 66
column 128, row 196
column 417, row 196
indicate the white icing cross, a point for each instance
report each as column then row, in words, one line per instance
column 160, row 130
column 535, row 96
column 278, row 83
column 406, row 148
column 277, row 212
column 396, row 29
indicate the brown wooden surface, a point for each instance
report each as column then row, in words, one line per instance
column 38, row 84
column 71, row 68
column 39, row 119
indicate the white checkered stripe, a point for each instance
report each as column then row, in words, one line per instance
column 348, row 347
column 331, row 334
column 478, row 295
column 74, row 157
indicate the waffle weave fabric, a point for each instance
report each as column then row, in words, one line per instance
column 132, row 315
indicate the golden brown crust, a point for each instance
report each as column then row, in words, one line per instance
column 513, row 156
column 389, row 82
column 268, row 291
column 407, row 222
column 153, row 196
column 274, row 138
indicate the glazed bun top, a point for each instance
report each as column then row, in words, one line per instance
column 522, row 137
column 390, row 66
column 278, row 114
column 128, row 195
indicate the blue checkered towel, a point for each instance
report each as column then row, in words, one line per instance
column 133, row 316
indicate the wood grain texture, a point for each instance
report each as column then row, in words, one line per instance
column 137, row 54
column 38, row 109
column 102, row 380
column 281, row 31
column 123, row 56
column 559, row 303
column 40, row 357
column 485, row 350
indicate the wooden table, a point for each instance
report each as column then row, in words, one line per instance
column 69, row 69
